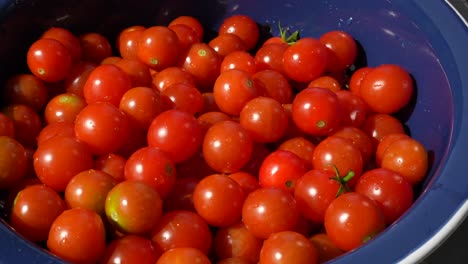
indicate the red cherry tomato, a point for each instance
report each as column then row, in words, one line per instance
column 130, row 249
column 275, row 85
column 242, row 26
column 127, row 41
column 158, row 47
column 204, row 64
column 26, row 89
column 64, row 108
column 49, row 60
column 343, row 49
column 95, row 47
column 183, row 255
column 141, row 105
column 288, row 247
column 68, row 39
column 192, row 22
column 226, row 43
column 13, row 162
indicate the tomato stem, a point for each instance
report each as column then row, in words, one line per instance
column 292, row 38
column 342, row 181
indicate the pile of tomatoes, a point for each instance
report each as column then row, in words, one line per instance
column 166, row 147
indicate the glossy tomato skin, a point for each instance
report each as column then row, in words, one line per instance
column 387, row 88
column 275, row 85
column 281, row 169
column 227, row 146
column 60, row 158
column 64, row 108
column 233, row 89
column 244, row 27
column 269, row 210
column 106, row 83
column 141, row 105
column 192, row 22
column 288, row 247
column 127, row 41
column 183, row 255
column 265, row 119
column 49, row 60
column 67, row 38
column 226, row 43
column 247, row 181
column 218, row 199
column 181, row 228
column 316, row 111
column 158, row 47
column 138, row 72
column 356, row 80
column 391, row 192
column 300, row 146
column 384, row 143
column 56, row 129
column 314, row 192
column 112, row 164
column 379, row 125
column 354, row 109
column 270, row 57
column 177, row 133
column 360, row 139
column 77, row 235
column 327, row 82
column 342, row 47
column 130, row 249
column 77, row 76
column 141, row 211
column 352, row 219
column 305, row 60
column 13, row 162
column 241, row 60
column 152, row 166
column 170, row 76
column 187, row 36
column 237, row 241
column 34, row 210
column 185, row 97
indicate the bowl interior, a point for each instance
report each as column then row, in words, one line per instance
column 401, row 32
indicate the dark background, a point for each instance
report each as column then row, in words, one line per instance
column 455, row 249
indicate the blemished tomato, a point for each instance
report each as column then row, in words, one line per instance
column 281, row 169
column 64, row 108
column 408, row 157
column 26, row 122
column 77, row 76
column 77, row 235
column 111, row 163
column 316, row 111
column 177, row 133
column 233, row 89
column 158, row 47
column 353, row 219
column 226, row 43
column 185, row 97
column 183, row 255
column 244, row 27
column 326, row 250
column 265, row 119
column 203, row 63
column 170, row 76
column 181, row 228
column 106, row 83
column 7, row 127
column 13, row 162
column 269, row 210
column 387, row 88
column 95, row 47
column 274, row 85
column 240, row 60
column 68, row 39
column 391, row 192
column 342, row 47
column 288, row 247
column 141, row 105
column 314, row 192
column 49, row 60
column 130, row 249
column 133, row 207
column 237, row 241
column 127, row 41
column 34, row 209
column 59, row 159
column 227, row 146
column 26, row 89
column 88, row 189
column 218, row 199
column 152, row 166
column 103, row 127
column 305, row 60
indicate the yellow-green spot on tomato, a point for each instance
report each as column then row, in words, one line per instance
column 112, row 210
column 154, row 61
column 41, row 71
column 249, row 83
column 202, row 52
column 65, row 99
column 321, row 124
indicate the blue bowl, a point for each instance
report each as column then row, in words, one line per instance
column 427, row 38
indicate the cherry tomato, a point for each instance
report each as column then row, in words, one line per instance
column 300, row 146
column 56, row 129
column 242, row 26
column 270, row 57
column 49, row 60
column 240, row 60
column 158, row 47
column 183, row 255
column 130, row 249
column 204, row 64
column 384, row 143
column 13, row 162
column 316, row 111
column 305, row 60
column 103, row 127
column 152, row 166
column 281, row 169
column 95, row 47
column 26, row 89
column 64, row 108
column 127, row 41
column 181, row 228
column 192, row 22
column 141, row 105
column 360, row 139
column 275, row 85
column 237, row 241
column 226, row 43
column 326, row 82
column 170, row 76
column 218, row 199
column 354, row 109
column 288, row 247
column 187, row 36
column 88, row 189
column 408, row 157
column 387, row 88
column 106, row 83
column 138, row 72
column 356, row 80
column 247, row 181
column 342, row 47
column 269, row 210
column 68, row 39
column 112, row 164
column 233, row 89
column 26, row 122
column 34, row 210
column 185, row 97
column 77, row 76
column 133, row 207
column 265, row 119
column 379, row 125
column 60, row 158
column 227, row 146
column 77, row 235
column 326, row 250
column 353, row 219
column 208, row 119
